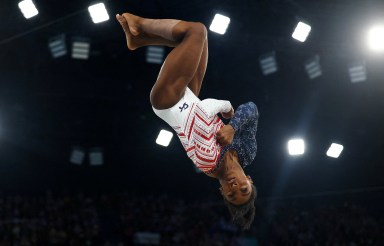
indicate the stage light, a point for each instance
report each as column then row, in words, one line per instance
column 296, row 147
column 219, row 24
column 80, row 48
column 357, row 72
column 301, row 32
column 28, row 8
column 335, row 150
column 96, row 157
column 164, row 138
column 376, row 38
column 58, row 46
column 155, row 54
column 98, row 13
column 268, row 63
column 313, row 68
column 77, row 155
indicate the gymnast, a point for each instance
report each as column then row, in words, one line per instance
column 218, row 150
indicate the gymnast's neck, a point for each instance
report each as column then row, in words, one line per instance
column 230, row 163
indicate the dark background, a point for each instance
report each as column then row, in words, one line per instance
column 49, row 105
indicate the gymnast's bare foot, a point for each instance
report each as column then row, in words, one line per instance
column 135, row 35
column 131, row 28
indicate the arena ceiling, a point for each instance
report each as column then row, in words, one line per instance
column 50, row 105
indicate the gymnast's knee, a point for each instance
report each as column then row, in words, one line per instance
column 190, row 28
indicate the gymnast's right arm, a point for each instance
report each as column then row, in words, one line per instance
column 214, row 106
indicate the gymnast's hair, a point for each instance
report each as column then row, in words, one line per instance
column 243, row 215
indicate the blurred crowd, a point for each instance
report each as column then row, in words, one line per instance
column 112, row 220
column 346, row 224
column 159, row 220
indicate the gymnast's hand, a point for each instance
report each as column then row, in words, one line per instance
column 225, row 135
column 229, row 114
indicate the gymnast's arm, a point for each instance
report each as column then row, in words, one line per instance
column 214, row 106
column 246, row 116
column 244, row 122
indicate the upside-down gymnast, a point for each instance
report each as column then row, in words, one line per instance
column 220, row 151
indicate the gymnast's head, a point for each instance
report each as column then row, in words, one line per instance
column 238, row 192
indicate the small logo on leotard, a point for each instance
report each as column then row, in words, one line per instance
column 185, row 106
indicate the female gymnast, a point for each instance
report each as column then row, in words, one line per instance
column 220, row 151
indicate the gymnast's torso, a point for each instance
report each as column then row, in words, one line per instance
column 196, row 123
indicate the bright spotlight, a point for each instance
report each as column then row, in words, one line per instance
column 219, row 24
column 164, row 138
column 28, row 8
column 301, row 31
column 98, row 13
column 376, row 38
column 296, row 147
column 335, row 150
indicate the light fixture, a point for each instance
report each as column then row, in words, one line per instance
column 376, row 38
column 28, row 8
column 335, row 150
column 268, row 63
column 155, row 54
column 96, row 157
column 301, row 32
column 98, row 13
column 357, row 72
column 80, row 48
column 58, row 46
column 296, row 146
column 77, row 155
column 219, row 24
column 164, row 138
column 313, row 68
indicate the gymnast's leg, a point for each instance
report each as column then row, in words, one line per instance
column 186, row 63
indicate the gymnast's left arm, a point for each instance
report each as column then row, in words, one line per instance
column 245, row 116
column 244, row 122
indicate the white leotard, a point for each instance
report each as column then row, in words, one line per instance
column 196, row 123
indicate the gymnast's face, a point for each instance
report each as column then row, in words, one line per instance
column 237, row 189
